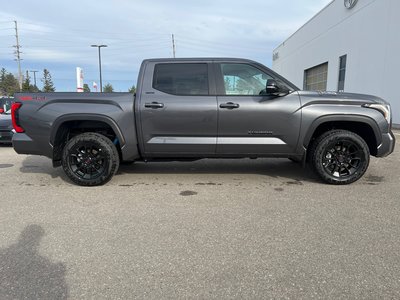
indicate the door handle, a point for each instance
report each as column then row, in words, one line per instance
column 154, row 105
column 229, row 105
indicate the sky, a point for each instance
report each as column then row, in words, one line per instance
column 57, row 34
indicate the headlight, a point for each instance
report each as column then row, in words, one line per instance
column 384, row 109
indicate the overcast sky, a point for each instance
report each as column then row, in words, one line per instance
column 57, row 34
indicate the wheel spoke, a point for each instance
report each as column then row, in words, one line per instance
column 87, row 160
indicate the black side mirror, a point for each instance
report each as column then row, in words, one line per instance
column 275, row 88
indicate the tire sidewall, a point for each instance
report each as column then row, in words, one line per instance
column 109, row 151
column 334, row 138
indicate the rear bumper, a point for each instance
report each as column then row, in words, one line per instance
column 23, row 144
column 5, row 136
column 387, row 145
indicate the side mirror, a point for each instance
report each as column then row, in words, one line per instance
column 275, row 88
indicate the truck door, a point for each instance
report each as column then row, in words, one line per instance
column 249, row 121
column 178, row 110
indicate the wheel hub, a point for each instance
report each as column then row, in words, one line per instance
column 342, row 159
column 87, row 161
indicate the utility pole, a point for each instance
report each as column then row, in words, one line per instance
column 101, row 83
column 18, row 56
column 173, row 45
column 34, row 76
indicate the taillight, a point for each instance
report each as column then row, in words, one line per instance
column 15, row 117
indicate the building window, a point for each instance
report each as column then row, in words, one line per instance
column 315, row 78
column 181, row 79
column 342, row 72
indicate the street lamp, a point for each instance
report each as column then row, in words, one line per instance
column 34, row 76
column 98, row 47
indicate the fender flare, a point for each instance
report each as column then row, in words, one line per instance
column 86, row 117
column 345, row 118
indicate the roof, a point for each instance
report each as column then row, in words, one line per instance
column 201, row 59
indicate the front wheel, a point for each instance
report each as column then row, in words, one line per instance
column 340, row 157
column 90, row 159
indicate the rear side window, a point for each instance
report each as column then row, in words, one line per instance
column 181, row 79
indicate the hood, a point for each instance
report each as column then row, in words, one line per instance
column 312, row 97
column 5, row 122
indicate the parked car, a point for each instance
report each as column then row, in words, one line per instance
column 6, row 127
column 204, row 108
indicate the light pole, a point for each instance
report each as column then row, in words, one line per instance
column 34, row 76
column 98, row 47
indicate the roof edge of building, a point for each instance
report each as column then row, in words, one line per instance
column 312, row 18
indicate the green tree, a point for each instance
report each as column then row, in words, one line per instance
column 3, row 73
column 8, row 83
column 48, row 85
column 132, row 89
column 33, row 88
column 86, row 88
column 26, row 85
column 108, row 88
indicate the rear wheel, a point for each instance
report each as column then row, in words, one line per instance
column 90, row 159
column 340, row 156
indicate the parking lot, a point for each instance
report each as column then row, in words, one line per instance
column 261, row 228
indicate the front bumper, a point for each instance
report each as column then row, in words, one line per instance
column 387, row 145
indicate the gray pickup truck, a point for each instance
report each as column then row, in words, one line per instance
column 187, row 109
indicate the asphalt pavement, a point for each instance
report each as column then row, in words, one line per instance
column 211, row 229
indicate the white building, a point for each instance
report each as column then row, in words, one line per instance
column 349, row 45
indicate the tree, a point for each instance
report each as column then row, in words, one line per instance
column 8, row 83
column 108, row 88
column 48, row 85
column 132, row 89
column 86, row 88
column 26, row 85
column 3, row 73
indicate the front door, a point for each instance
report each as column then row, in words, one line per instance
column 249, row 121
column 178, row 115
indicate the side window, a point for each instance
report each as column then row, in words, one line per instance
column 243, row 79
column 181, row 78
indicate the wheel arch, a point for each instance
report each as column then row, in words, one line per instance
column 364, row 126
column 62, row 126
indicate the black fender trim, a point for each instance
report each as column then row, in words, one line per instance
column 86, row 117
column 346, row 118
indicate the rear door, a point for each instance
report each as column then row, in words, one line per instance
column 178, row 110
column 251, row 122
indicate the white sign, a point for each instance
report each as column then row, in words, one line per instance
column 79, row 80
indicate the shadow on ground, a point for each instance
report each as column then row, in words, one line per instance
column 268, row 167
column 25, row 274
column 41, row 165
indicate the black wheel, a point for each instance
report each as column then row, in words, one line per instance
column 339, row 156
column 90, row 159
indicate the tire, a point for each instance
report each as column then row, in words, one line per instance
column 339, row 157
column 90, row 159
